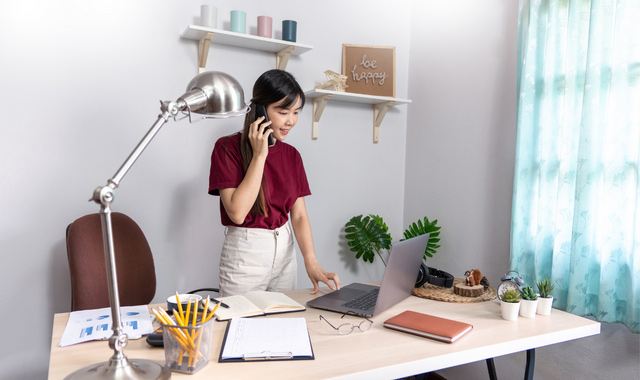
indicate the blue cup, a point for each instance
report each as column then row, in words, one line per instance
column 238, row 21
column 289, row 30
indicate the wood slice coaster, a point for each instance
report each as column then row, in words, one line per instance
column 468, row 290
column 439, row 293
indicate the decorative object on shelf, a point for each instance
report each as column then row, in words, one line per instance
column 529, row 302
column 265, row 24
column 337, row 81
column 238, row 22
column 545, row 300
column 510, row 304
column 205, row 36
column 209, row 16
column 370, row 69
column 509, row 282
column 289, row 30
column 439, row 293
column 212, row 95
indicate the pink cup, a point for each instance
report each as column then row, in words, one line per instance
column 264, row 26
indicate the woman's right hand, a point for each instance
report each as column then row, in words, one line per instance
column 258, row 138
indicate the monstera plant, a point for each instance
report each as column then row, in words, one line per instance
column 368, row 235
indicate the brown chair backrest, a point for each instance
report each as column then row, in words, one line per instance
column 134, row 263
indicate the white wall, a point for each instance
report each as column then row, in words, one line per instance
column 80, row 83
column 461, row 131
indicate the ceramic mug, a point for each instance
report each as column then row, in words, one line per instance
column 264, row 26
column 289, row 30
column 238, row 21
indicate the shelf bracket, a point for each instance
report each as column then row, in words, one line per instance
column 318, row 107
column 379, row 111
column 203, row 51
column 282, row 57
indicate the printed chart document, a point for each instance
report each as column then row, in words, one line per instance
column 95, row 324
column 266, row 339
column 257, row 303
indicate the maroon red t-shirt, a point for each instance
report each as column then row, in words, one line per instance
column 284, row 180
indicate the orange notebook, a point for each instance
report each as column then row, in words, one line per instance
column 428, row 326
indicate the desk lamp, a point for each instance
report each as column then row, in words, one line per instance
column 212, row 95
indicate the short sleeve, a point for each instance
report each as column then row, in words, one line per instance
column 226, row 165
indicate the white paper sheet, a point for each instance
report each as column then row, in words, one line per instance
column 267, row 337
column 95, row 324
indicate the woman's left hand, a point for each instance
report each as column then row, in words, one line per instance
column 317, row 274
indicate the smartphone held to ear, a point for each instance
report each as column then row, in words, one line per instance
column 261, row 111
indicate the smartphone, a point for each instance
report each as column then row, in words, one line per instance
column 260, row 112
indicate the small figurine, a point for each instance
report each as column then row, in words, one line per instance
column 335, row 80
column 473, row 277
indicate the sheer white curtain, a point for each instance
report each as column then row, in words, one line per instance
column 576, row 208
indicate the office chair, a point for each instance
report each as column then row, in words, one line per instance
column 134, row 263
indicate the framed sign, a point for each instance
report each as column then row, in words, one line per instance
column 370, row 70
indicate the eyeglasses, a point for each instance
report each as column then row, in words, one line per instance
column 347, row 328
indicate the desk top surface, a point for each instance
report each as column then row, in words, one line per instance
column 377, row 353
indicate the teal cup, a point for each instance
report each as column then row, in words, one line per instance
column 238, row 21
column 289, row 30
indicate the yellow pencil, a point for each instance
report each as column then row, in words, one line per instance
column 206, row 308
column 212, row 313
column 179, row 304
column 165, row 321
column 183, row 339
column 186, row 316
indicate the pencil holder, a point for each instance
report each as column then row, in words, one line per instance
column 186, row 349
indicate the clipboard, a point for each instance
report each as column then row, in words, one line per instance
column 252, row 339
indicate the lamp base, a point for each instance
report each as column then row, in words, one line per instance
column 138, row 369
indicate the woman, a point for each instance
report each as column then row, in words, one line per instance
column 259, row 187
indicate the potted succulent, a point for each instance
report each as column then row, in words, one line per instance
column 510, row 304
column 545, row 301
column 529, row 302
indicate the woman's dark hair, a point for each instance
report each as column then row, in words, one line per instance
column 271, row 87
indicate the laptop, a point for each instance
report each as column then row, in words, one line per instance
column 398, row 281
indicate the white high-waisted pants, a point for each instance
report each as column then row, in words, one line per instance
column 257, row 259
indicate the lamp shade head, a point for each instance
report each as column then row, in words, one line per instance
column 214, row 94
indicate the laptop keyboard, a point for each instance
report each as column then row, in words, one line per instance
column 364, row 302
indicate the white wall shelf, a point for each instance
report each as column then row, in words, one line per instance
column 380, row 106
column 205, row 36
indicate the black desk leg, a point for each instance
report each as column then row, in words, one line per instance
column 492, row 369
column 531, row 361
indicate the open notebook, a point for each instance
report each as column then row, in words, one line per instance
column 257, row 303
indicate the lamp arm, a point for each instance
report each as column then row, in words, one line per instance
column 104, row 196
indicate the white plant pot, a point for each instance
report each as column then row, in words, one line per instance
column 509, row 310
column 544, row 305
column 528, row 308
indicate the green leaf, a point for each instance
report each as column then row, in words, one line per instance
column 419, row 228
column 366, row 236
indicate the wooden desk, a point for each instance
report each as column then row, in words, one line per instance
column 378, row 353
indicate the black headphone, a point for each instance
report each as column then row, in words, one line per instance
column 518, row 280
column 433, row 276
